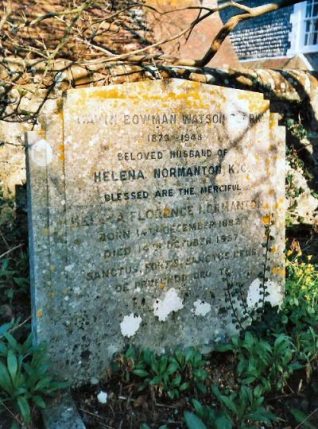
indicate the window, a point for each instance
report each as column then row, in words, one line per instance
column 304, row 36
column 311, row 23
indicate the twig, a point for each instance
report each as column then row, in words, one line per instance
column 4, row 239
column 307, row 418
column 11, row 413
column 15, row 328
column 6, row 14
column 97, row 417
column 133, row 56
column 11, row 250
column 93, row 46
column 172, row 407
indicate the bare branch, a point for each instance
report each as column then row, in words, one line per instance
column 6, row 15
column 234, row 21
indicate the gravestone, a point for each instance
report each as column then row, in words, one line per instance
column 150, row 207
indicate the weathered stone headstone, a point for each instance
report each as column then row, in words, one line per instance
column 149, row 205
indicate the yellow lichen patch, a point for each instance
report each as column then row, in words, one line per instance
column 280, row 202
column 60, row 150
column 45, row 232
column 39, row 313
column 274, row 249
column 162, row 286
column 279, row 271
column 110, row 92
column 166, row 212
column 267, row 220
column 187, row 93
column 273, row 122
column 257, row 104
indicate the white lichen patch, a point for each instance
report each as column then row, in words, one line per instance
column 169, row 304
column 201, row 308
column 237, row 119
column 69, row 268
column 41, row 153
column 130, row 325
column 255, row 293
column 102, row 397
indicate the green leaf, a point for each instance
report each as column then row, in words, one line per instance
column 172, row 368
column 163, row 364
column 130, row 352
column 5, row 381
column 189, row 354
column 156, row 380
column 184, row 386
column 44, row 383
column 201, row 387
column 140, row 373
column 258, row 391
column 176, row 381
column 262, row 415
column 24, row 408
column 249, row 380
column 235, row 341
column 173, row 394
column 225, row 400
column 39, row 401
column 3, row 349
column 224, row 348
column 201, row 374
column 4, row 328
column 12, row 363
column 296, row 366
column 192, row 421
column 148, row 356
column 249, row 340
column 144, row 426
column 229, row 404
column 12, row 341
column 180, row 357
column 223, row 422
column 197, row 406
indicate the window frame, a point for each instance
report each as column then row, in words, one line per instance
column 297, row 36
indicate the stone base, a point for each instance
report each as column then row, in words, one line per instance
column 61, row 413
